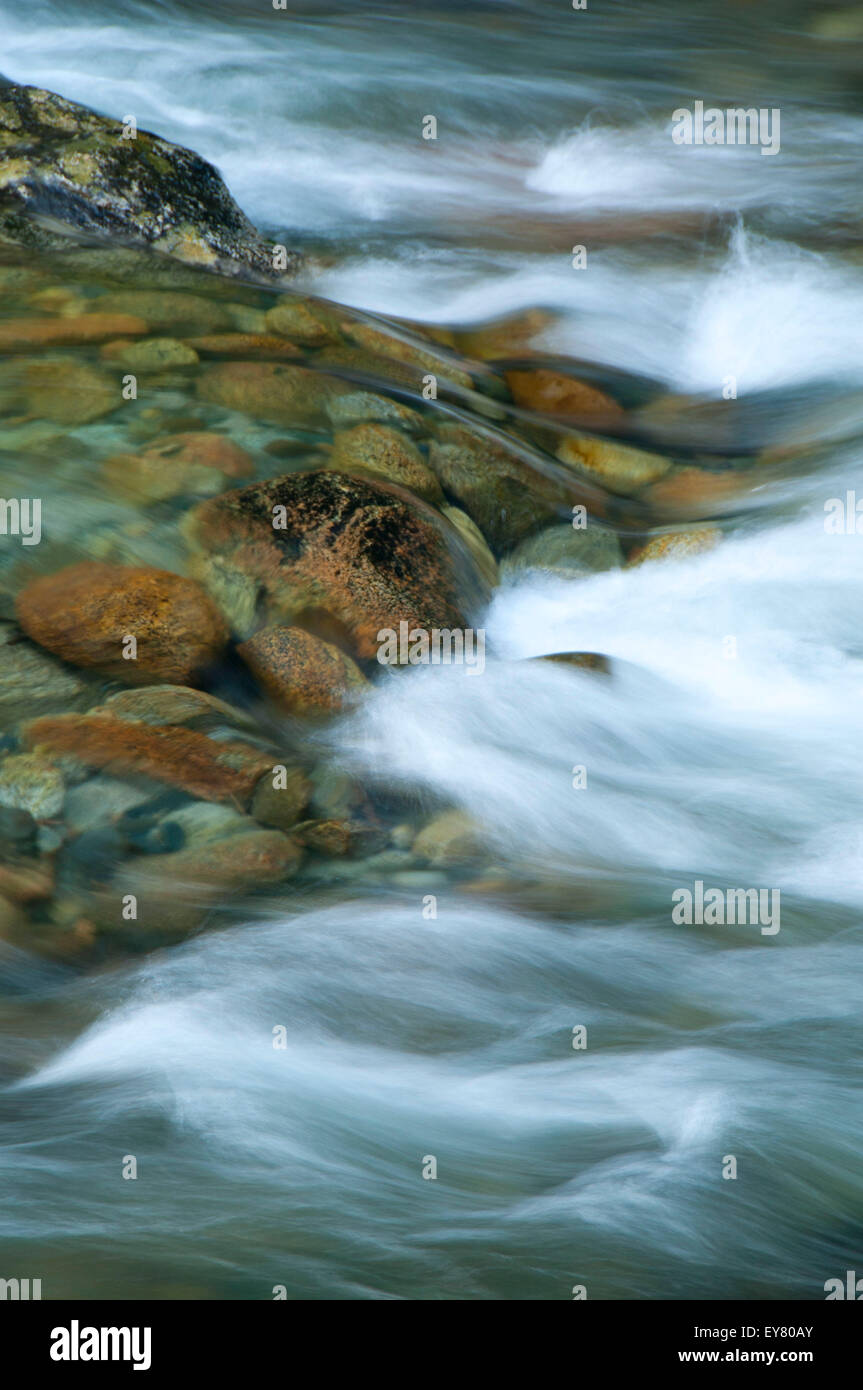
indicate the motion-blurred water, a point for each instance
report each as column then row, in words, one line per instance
column 452, row 1037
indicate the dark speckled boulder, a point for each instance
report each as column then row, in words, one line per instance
column 67, row 172
column 339, row 555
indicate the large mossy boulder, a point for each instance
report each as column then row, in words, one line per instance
column 66, row 172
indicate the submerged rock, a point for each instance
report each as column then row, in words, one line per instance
column 258, row 346
column 556, row 394
column 87, row 614
column 475, row 542
column 174, row 892
column 281, row 796
column 30, row 783
column 567, row 551
column 176, row 704
column 271, row 391
column 81, row 330
column 355, row 554
column 32, row 683
column 583, row 661
column 303, row 322
column 64, row 392
column 619, row 467
column 453, row 837
column 303, row 673
column 192, row 464
column 676, row 545
column 66, row 171
column 150, row 354
column 166, row 311
column 214, row 770
column 387, row 454
column 503, row 494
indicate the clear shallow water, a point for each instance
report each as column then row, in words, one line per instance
column 408, row 1037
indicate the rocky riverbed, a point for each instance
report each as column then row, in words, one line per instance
column 237, row 491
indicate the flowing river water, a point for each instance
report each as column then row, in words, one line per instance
column 725, row 747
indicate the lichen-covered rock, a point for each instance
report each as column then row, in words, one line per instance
column 354, row 552
column 303, row 673
column 91, row 175
column 86, row 614
column 32, row 784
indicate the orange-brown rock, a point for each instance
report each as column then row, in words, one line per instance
column 213, row 769
column 86, row 612
column 331, row 837
column 676, row 545
column 26, row 881
column 280, row 394
column 241, row 862
column 303, row 673
column 176, row 891
column 22, row 335
column 354, row 550
column 556, row 394
column 512, row 336
column 181, row 464
column 207, row 450
column 695, row 492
